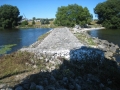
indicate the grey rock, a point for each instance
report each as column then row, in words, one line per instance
column 108, row 54
column 32, row 86
column 50, row 87
column 71, row 87
column 101, row 85
column 113, row 49
column 45, row 81
column 39, row 87
column 19, row 88
column 109, row 82
column 77, row 27
column 3, row 85
column 52, row 79
column 78, row 87
column 41, row 58
column 116, row 46
column 107, row 88
column 26, row 86
column 65, row 79
column 9, row 89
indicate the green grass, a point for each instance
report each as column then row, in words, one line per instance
column 84, row 39
column 14, row 63
column 43, row 36
column 5, row 48
column 19, row 62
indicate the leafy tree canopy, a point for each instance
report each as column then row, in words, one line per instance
column 108, row 13
column 71, row 15
column 23, row 23
column 44, row 21
column 9, row 16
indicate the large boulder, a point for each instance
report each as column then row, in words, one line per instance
column 77, row 27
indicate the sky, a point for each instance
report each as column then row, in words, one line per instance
column 47, row 8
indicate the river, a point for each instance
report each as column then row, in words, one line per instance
column 20, row 37
column 109, row 35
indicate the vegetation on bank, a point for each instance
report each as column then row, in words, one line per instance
column 43, row 36
column 9, row 16
column 108, row 14
column 85, row 39
column 14, row 63
column 5, row 48
column 71, row 15
column 19, row 62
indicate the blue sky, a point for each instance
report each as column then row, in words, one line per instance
column 47, row 8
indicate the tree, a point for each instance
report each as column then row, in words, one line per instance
column 44, row 21
column 71, row 15
column 9, row 16
column 108, row 13
column 24, row 23
column 33, row 22
column 34, row 18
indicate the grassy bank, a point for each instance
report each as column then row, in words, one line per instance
column 85, row 39
column 14, row 63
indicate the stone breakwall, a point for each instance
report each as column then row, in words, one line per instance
column 62, row 43
column 110, row 50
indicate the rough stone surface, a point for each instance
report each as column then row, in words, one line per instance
column 58, row 43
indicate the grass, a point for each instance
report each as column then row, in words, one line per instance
column 14, row 63
column 43, row 36
column 84, row 39
column 5, row 48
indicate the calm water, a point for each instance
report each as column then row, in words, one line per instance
column 21, row 37
column 109, row 35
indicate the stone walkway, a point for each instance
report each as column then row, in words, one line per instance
column 59, row 39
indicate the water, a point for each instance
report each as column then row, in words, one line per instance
column 21, row 37
column 109, row 35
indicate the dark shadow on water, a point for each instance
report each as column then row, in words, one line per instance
column 87, row 70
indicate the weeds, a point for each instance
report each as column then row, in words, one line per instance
column 85, row 39
column 5, row 48
column 14, row 63
column 43, row 36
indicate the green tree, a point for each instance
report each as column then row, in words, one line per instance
column 33, row 22
column 44, row 21
column 24, row 23
column 34, row 18
column 108, row 13
column 9, row 16
column 71, row 15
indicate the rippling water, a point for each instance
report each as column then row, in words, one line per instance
column 21, row 37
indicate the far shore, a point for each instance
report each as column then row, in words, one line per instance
column 89, row 29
